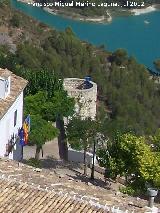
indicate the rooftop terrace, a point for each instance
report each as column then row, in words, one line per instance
column 78, row 84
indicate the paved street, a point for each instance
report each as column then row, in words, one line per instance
column 50, row 149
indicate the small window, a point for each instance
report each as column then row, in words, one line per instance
column 15, row 118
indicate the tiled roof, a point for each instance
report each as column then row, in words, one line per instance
column 17, row 86
column 22, row 198
column 4, row 73
column 25, row 189
column 20, row 192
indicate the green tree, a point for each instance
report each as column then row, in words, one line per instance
column 53, row 108
column 33, row 104
column 156, row 140
column 60, row 106
column 81, row 135
column 41, row 132
column 4, row 2
column 53, row 104
column 120, row 56
column 111, row 158
column 15, row 20
column 129, row 154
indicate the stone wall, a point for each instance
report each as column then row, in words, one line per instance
column 85, row 97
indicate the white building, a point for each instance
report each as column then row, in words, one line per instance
column 11, row 113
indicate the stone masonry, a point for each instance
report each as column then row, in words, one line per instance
column 85, row 97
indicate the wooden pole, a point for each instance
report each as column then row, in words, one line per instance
column 22, row 154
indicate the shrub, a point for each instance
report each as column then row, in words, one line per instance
column 127, row 190
column 35, row 163
column 15, row 21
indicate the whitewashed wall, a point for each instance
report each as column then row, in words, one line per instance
column 7, row 125
column 78, row 156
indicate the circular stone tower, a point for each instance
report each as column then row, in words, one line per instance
column 85, row 93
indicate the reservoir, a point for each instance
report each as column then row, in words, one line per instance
column 139, row 35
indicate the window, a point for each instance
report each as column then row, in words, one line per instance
column 15, row 118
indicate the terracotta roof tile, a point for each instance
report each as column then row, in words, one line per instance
column 22, row 198
column 26, row 190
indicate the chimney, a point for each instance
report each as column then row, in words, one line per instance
column 4, row 86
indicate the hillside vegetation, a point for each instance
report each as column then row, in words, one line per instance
column 128, row 99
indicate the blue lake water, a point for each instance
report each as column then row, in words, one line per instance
column 131, row 33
